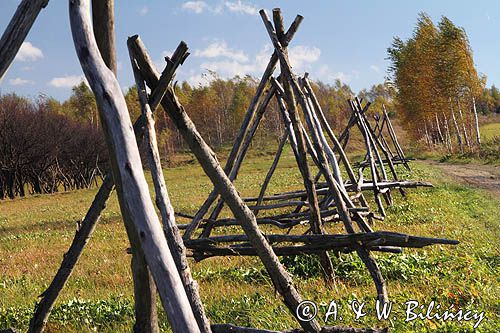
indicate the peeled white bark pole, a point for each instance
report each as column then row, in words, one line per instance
column 476, row 121
column 17, row 30
column 128, row 172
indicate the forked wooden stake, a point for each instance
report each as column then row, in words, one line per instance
column 128, row 172
column 244, row 129
column 163, row 203
column 280, row 278
column 17, row 30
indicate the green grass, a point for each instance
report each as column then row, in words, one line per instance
column 489, row 131
column 36, row 231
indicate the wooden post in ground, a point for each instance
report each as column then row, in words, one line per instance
column 146, row 318
column 270, row 173
column 290, row 98
column 128, row 173
column 280, row 278
column 365, row 255
column 394, row 139
column 163, row 203
column 244, row 129
column 83, row 234
column 17, row 30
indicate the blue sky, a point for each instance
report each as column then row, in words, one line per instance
column 344, row 40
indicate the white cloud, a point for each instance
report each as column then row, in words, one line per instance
column 326, row 74
column 220, row 49
column 240, row 7
column 195, row 6
column 144, row 11
column 67, row 81
column 227, row 62
column 262, row 58
column 199, row 79
column 228, row 69
column 20, row 82
column 301, row 55
column 342, row 77
column 29, row 52
column 375, row 68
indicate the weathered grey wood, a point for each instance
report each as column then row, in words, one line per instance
column 281, row 279
column 17, row 30
column 374, row 143
column 127, row 170
column 70, row 258
column 163, row 203
column 476, row 122
column 342, row 209
column 388, row 158
column 290, row 97
column 371, row 159
column 229, row 328
column 329, row 131
column 270, row 173
column 145, row 293
column 201, row 252
column 146, row 319
column 394, row 138
column 233, row 174
column 104, row 30
column 338, row 148
column 363, row 238
column 322, row 189
column 245, row 126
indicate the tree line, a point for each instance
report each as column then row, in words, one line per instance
column 47, row 146
column 218, row 107
column 438, row 89
column 43, row 151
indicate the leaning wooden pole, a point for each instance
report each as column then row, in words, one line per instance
column 71, row 257
column 17, row 30
column 238, row 147
column 103, row 20
column 280, row 278
column 270, row 173
column 146, row 318
column 128, row 172
column 163, row 203
column 364, row 254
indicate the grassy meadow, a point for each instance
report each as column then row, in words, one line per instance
column 36, row 231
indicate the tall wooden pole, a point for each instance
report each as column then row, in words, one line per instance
column 146, row 318
column 17, row 30
column 132, row 188
column 103, row 19
column 281, row 279
column 163, row 203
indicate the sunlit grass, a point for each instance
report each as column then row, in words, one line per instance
column 36, row 231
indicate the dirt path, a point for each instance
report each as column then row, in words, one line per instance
column 486, row 177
